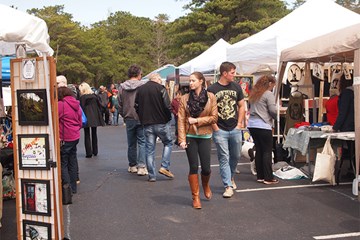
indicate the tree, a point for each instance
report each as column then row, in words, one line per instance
column 210, row 20
column 67, row 39
column 353, row 5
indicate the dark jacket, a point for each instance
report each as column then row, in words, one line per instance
column 91, row 106
column 152, row 104
column 126, row 98
column 345, row 120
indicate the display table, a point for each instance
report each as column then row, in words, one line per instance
column 303, row 140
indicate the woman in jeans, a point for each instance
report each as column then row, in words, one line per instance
column 197, row 111
column 262, row 113
column 70, row 121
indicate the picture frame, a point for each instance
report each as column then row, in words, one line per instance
column 36, row 230
column 34, row 151
column 246, row 83
column 32, row 107
column 36, row 197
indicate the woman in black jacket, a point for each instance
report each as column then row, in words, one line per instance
column 91, row 106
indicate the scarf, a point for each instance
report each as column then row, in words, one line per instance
column 196, row 104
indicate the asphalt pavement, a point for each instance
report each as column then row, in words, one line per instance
column 114, row 204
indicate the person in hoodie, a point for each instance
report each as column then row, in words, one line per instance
column 91, row 106
column 134, row 129
column 70, row 122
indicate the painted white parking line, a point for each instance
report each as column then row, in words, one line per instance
column 289, row 187
column 337, row 236
column 239, row 164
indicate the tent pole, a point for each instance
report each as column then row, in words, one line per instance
column 357, row 118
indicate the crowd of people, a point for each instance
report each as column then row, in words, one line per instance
column 205, row 113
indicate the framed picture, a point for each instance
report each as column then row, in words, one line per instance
column 32, row 107
column 34, row 151
column 246, row 83
column 36, row 230
column 36, row 197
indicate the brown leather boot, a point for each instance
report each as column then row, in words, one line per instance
column 194, row 185
column 205, row 183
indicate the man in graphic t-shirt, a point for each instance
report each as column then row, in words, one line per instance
column 227, row 131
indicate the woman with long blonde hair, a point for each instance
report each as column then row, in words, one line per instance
column 91, row 106
column 262, row 113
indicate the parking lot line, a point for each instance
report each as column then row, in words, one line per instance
column 337, row 236
column 290, row 187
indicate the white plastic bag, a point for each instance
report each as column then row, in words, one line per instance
column 325, row 164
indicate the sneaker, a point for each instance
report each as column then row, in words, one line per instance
column 141, row 171
column 233, row 184
column 152, row 180
column 132, row 169
column 260, row 180
column 166, row 172
column 273, row 181
column 229, row 192
column 146, row 171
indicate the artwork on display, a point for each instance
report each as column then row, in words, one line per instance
column 34, row 151
column 36, row 197
column 28, row 70
column 32, row 107
column 36, row 230
column 246, row 83
column 294, row 74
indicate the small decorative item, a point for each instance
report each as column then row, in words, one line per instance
column 32, row 107
column 294, row 74
column 36, row 230
column 34, row 151
column 28, row 70
column 36, row 197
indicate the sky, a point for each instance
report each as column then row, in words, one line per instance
column 90, row 11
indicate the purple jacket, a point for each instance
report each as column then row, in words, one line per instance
column 70, row 119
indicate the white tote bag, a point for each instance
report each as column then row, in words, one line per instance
column 325, row 164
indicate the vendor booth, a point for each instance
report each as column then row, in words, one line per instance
column 261, row 51
column 342, row 46
column 34, row 122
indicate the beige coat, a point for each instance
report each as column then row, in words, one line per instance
column 207, row 117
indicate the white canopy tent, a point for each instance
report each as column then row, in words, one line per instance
column 208, row 60
column 339, row 46
column 20, row 27
column 261, row 51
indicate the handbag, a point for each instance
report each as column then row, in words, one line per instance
column 112, row 109
column 84, row 118
column 325, row 164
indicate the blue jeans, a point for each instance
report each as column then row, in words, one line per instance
column 228, row 144
column 69, row 164
column 163, row 132
column 115, row 117
column 136, row 139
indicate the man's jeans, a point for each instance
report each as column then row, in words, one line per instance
column 228, row 144
column 135, row 139
column 163, row 132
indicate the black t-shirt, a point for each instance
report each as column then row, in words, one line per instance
column 227, row 98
